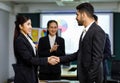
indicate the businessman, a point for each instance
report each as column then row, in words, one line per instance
column 91, row 46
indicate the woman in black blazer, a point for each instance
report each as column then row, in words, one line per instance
column 25, row 53
column 50, row 45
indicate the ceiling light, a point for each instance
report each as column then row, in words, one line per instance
column 67, row 0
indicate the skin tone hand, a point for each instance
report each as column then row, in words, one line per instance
column 56, row 58
column 53, row 60
column 36, row 46
column 54, row 48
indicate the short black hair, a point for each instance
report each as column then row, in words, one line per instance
column 95, row 17
column 86, row 7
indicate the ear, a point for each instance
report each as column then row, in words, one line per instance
column 83, row 14
column 20, row 26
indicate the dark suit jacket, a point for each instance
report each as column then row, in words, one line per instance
column 107, row 49
column 44, row 51
column 89, row 55
column 26, row 61
column 107, row 55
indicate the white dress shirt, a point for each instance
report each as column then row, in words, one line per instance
column 32, row 44
column 86, row 29
column 52, row 40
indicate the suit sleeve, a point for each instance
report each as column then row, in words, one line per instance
column 68, row 58
column 43, row 50
column 23, row 52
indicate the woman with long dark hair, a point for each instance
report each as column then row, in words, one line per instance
column 25, row 53
column 50, row 45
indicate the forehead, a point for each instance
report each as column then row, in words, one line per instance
column 28, row 21
column 53, row 23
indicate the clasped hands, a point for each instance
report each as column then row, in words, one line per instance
column 53, row 60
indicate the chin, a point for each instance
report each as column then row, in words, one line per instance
column 29, row 33
column 80, row 24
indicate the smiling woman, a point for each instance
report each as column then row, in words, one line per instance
column 25, row 53
column 49, row 45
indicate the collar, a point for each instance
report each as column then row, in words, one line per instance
column 52, row 37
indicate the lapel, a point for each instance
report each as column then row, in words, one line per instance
column 81, row 37
column 56, row 40
column 27, row 44
column 89, row 31
column 47, row 41
column 86, row 35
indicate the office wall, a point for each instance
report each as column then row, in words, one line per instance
column 11, row 54
column 4, row 39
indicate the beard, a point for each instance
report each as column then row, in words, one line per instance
column 80, row 22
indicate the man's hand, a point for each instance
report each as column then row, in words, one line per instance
column 53, row 60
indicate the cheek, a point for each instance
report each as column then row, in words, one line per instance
column 49, row 30
column 55, row 29
column 28, row 30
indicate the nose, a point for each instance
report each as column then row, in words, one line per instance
column 30, row 26
column 76, row 18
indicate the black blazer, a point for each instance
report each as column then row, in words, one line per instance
column 44, row 51
column 89, row 55
column 26, row 61
column 107, row 49
column 107, row 55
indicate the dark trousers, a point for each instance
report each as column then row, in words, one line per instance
column 51, row 76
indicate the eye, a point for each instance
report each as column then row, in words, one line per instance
column 29, row 23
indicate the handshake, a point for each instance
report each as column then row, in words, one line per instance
column 53, row 60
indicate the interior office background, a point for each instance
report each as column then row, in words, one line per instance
column 8, row 13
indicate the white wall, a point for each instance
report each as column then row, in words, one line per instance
column 11, row 53
column 7, row 18
column 4, row 45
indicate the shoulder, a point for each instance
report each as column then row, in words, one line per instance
column 60, row 38
column 97, row 28
column 44, row 38
column 107, row 36
column 20, row 41
column 20, row 38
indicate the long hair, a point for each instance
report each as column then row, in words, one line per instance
column 48, row 24
column 20, row 20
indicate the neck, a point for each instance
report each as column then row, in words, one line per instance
column 51, row 35
column 88, row 21
column 23, row 33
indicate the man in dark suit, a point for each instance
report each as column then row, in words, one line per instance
column 91, row 46
column 107, row 54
